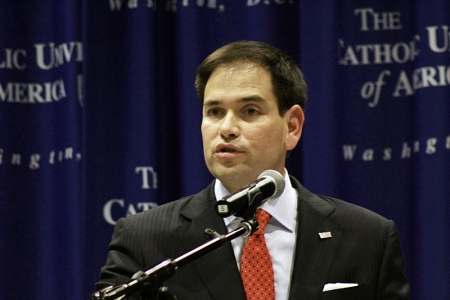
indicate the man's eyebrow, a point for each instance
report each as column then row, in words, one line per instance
column 211, row 102
column 254, row 98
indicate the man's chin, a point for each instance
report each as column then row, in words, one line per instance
column 236, row 177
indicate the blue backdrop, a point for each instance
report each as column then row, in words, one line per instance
column 99, row 119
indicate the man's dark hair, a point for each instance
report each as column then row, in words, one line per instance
column 288, row 84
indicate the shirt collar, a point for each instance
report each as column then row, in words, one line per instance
column 282, row 209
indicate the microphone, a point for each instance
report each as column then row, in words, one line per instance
column 269, row 185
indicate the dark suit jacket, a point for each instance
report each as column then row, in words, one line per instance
column 364, row 249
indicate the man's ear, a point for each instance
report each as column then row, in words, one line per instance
column 294, row 118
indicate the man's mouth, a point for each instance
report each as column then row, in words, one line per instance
column 227, row 149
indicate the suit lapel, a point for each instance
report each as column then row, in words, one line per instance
column 313, row 255
column 221, row 278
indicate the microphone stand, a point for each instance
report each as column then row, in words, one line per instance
column 151, row 281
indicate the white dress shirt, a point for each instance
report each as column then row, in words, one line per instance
column 280, row 234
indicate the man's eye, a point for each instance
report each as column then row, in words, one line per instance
column 213, row 112
column 252, row 111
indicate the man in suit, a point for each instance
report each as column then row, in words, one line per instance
column 253, row 99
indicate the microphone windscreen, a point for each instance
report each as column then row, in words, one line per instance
column 278, row 180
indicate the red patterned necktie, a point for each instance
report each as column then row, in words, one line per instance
column 256, row 266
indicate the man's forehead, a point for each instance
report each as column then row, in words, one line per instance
column 244, row 75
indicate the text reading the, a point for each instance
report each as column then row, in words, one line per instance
column 371, row 20
column 147, row 172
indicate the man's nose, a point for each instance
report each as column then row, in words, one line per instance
column 229, row 127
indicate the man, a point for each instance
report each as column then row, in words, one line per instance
column 253, row 99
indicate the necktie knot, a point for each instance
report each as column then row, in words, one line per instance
column 263, row 218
